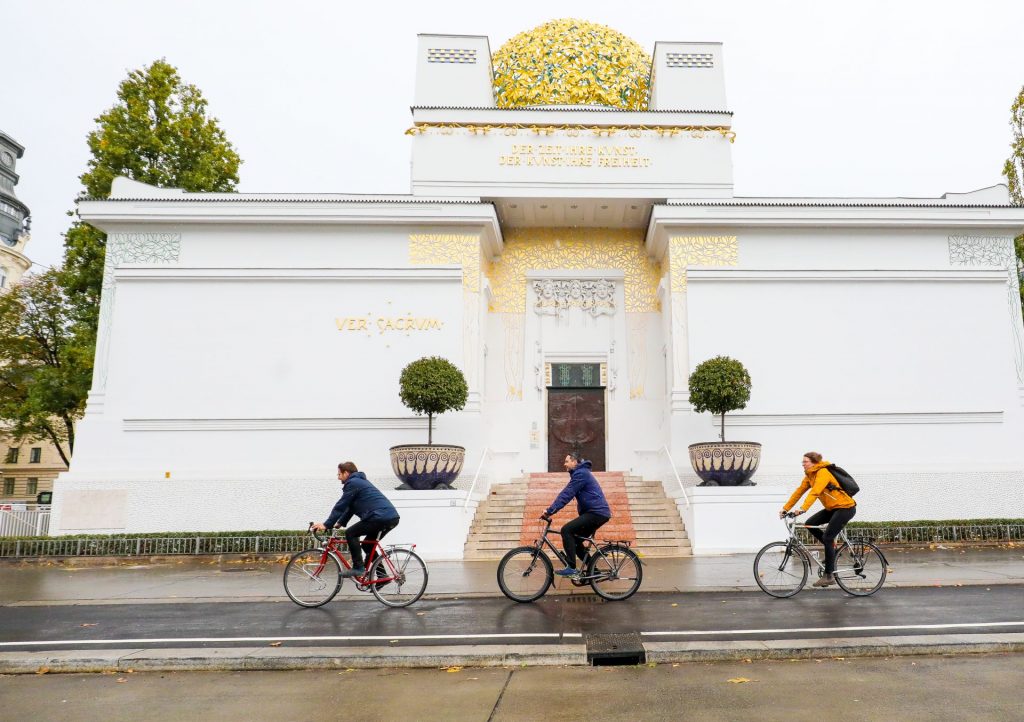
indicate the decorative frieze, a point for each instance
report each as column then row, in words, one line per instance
column 575, row 249
column 554, row 297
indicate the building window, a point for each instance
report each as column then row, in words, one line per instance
column 32, row 486
column 35, row 455
column 12, row 455
column 8, row 487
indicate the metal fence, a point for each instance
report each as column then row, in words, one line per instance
column 24, row 519
column 193, row 545
column 934, row 534
column 152, row 546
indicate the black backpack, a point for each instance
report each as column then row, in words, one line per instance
column 843, row 478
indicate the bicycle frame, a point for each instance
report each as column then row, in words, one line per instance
column 589, row 543
column 377, row 551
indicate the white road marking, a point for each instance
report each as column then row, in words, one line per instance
column 399, row 638
column 877, row 628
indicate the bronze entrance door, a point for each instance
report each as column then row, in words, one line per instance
column 575, row 423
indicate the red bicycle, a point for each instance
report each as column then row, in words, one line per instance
column 395, row 574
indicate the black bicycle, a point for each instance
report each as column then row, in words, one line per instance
column 613, row 571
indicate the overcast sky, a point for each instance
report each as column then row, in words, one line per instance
column 830, row 98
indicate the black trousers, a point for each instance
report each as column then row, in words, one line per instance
column 836, row 520
column 371, row 529
column 583, row 525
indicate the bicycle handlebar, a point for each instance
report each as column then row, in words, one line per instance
column 320, row 536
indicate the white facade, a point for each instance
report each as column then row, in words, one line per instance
column 249, row 343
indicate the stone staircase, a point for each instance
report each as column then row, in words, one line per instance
column 641, row 514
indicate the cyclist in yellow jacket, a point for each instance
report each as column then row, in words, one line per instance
column 840, row 507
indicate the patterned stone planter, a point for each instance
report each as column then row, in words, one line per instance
column 420, row 466
column 725, row 463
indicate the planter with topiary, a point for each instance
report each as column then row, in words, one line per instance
column 720, row 385
column 431, row 386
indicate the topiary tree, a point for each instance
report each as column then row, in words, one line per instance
column 432, row 385
column 719, row 385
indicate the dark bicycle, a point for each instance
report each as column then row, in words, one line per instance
column 613, row 571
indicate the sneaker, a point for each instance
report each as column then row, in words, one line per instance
column 353, row 572
column 567, row 572
column 825, row 581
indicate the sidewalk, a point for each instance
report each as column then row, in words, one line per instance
column 193, row 579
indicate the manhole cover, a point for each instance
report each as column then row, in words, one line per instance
column 609, row 649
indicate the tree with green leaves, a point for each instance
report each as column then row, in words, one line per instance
column 157, row 133
column 432, row 385
column 1013, row 169
column 719, row 385
column 43, row 377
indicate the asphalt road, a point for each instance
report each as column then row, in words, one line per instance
column 657, row 617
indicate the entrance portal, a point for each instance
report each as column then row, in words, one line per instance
column 575, row 416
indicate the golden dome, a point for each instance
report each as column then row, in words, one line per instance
column 572, row 62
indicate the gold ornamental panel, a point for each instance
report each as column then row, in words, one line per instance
column 686, row 251
column 585, row 249
column 427, row 249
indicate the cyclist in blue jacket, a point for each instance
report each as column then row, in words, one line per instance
column 359, row 497
column 593, row 509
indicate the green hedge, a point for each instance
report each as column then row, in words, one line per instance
column 168, row 535
column 933, row 522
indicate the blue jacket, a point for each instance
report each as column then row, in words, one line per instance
column 362, row 499
column 584, row 487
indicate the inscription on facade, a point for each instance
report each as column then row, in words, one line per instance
column 387, row 324
column 557, row 155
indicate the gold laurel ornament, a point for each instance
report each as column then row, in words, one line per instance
column 572, row 62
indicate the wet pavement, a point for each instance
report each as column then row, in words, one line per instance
column 194, row 613
column 204, row 580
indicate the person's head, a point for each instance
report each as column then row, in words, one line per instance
column 572, row 460
column 345, row 470
column 810, row 459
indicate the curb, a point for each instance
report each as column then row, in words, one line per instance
column 530, row 655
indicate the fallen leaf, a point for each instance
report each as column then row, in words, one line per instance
column 43, row 670
column 275, row 644
column 675, row 604
column 453, row 669
column 121, row 679
column 739, row 680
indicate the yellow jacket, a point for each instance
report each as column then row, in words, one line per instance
column 823, row 486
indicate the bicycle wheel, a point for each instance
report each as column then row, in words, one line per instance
column 615, row 572
column 860, row 568
column 312, row 577
column 400, row 582
column 781, row 569
column 525, row 574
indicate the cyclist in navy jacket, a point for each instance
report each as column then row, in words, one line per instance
column 593, row 509
column 377, row 515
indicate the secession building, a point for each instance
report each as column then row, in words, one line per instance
column 571, row 221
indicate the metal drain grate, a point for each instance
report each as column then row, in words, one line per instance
column 583, row 599
column 615, row 649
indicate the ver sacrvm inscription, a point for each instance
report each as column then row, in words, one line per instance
column 379, row 325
